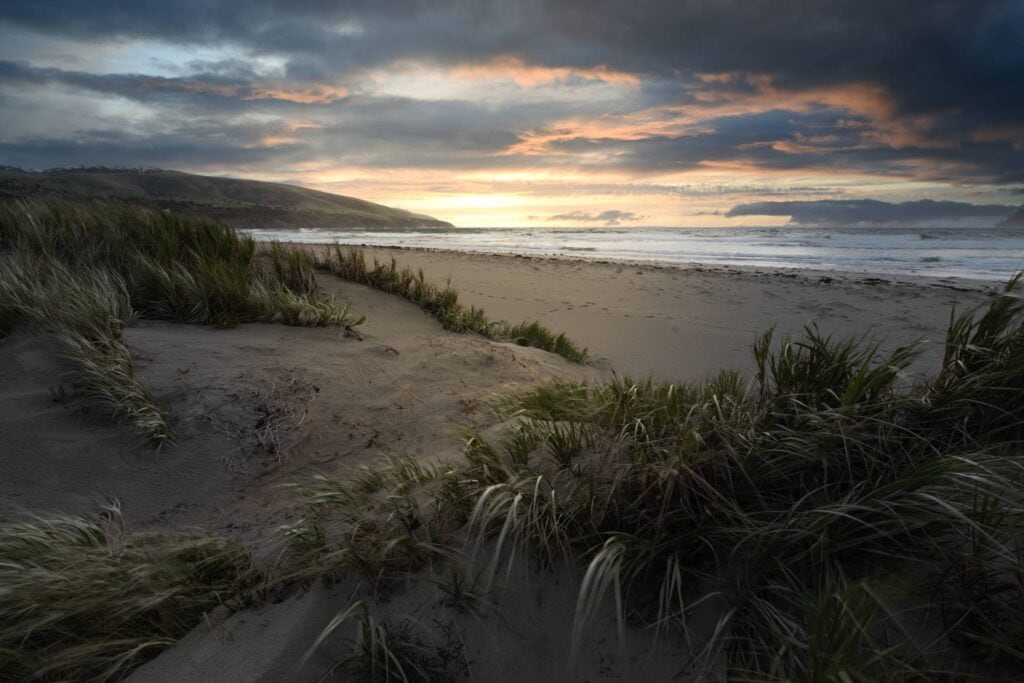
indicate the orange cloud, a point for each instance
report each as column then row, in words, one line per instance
column 723, row 77
column 638, row 125
column 277, row 140
column 311, row 94
column 170, row 85
column 869, row 100
column 286, row 134
column 1011, row 134
column 315, row 93
column 532, row 75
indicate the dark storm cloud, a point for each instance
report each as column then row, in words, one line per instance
column 609, row 217
column 109, row 148
column 866, row 211
column 956, row 66
column 932, row 55
column 786, row 141
column 230, row 89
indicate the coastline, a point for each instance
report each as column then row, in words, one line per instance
column 954, row 283
column 263, row 412
column 932, row 254
column 680, row 323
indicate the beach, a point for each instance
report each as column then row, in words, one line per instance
column 526, row 341
column 262, row 407
column 682, row 323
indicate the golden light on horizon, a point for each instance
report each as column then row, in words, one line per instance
column 550, row 112
column 532, row 196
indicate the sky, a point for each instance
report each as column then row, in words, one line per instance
column 561, row 113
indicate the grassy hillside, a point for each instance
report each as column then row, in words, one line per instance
column 241, row 203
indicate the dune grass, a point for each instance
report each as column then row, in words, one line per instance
column 83, row 272
column 406, row 651
column 834, row 523
column 90, row 601
column 86, row 309
column 173, row 268
column 443, row 303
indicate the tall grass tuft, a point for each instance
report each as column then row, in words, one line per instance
column 173, row 268
column 443, row 303
column 86, row 309
column 294, row 268
column 103, row 370
column 83, row 272
column 404, row 652
column 808, row 525
column 89, row 601
column 981, row 384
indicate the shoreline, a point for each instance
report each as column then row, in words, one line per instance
column 681, row 323
column 309, row 448
column 953, row 283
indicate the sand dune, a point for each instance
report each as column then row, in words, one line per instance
column 263, row 405
column 257, row 406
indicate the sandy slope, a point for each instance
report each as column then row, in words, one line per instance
column 265, row 405
column 255, row 407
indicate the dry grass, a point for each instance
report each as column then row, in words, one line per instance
column 443, row 303
column 90, row 601
column 84, row 272
column 819, row 511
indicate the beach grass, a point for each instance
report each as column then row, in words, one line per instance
column 82, row 600
column 83, row 272
column 443, row 302
column 173, row 268
column 405, row 651
column 86, row 309
column 835, row 523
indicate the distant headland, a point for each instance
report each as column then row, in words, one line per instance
column 240, row 203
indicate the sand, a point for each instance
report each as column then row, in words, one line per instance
column 256, row 406
column 682, row 323
column 262, row 406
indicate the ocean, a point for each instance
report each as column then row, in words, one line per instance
column 992, row 254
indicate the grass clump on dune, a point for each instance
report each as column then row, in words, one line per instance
column 173, row 268
column 407, row 651
column 823, row 522
column 86, row 309
column 443, row 304
column 87, row 601
column 83, row 272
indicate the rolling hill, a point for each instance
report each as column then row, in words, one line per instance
column 241, row 203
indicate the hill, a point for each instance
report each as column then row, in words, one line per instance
column 241, row 203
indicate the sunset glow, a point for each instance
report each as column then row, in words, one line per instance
column 514, row 119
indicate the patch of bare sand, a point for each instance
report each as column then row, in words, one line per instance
column 523, row 634
column 255, row 407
